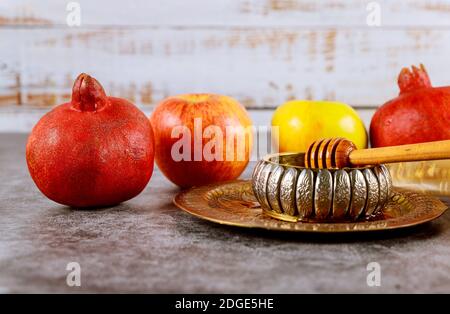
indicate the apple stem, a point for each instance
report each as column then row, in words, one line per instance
column 413, row 79
column 88, row 94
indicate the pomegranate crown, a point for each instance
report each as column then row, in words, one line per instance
column 88, row 94
column 413, row 79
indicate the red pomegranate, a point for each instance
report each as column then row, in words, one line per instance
column 93, row 151
column 421, row 113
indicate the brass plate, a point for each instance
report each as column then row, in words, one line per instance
column 233, row 204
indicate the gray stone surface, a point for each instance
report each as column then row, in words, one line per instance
column 148, row 245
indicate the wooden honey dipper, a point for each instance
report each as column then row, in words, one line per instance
column 340, row 153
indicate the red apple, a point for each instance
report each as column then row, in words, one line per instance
column 201, row 138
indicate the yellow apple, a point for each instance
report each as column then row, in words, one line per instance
column 301, row 122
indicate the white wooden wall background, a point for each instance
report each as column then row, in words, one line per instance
column 261, row 52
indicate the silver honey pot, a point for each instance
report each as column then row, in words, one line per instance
column 289, row 191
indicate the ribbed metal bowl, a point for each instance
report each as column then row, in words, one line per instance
column 288, row 191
